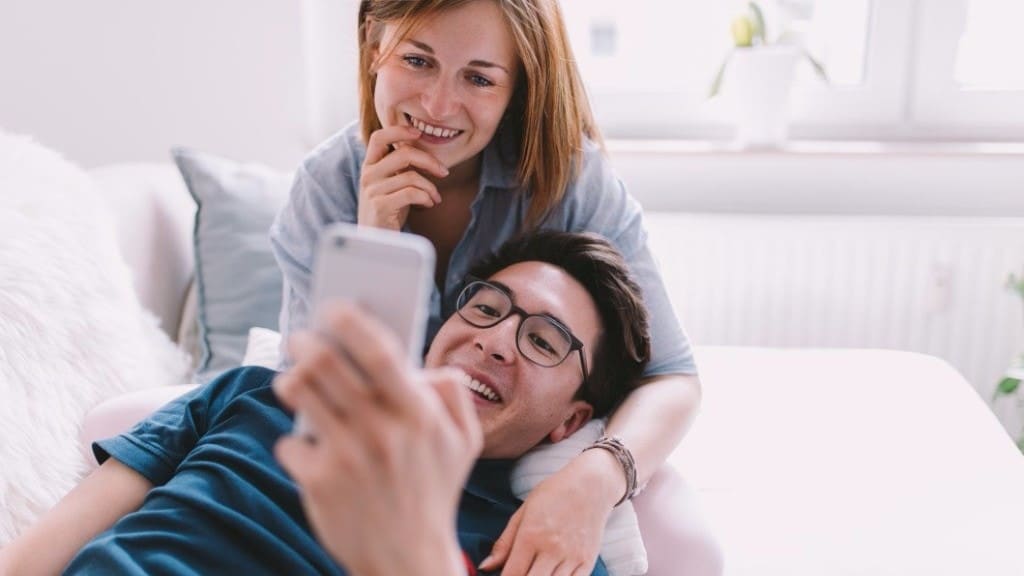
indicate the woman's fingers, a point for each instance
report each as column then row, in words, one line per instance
column 394, row 183
column 544, row 566
column 381, row 142
column 406, row 158
column 385, row 204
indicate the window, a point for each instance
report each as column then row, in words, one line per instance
column 970, row 77
column 899, row 69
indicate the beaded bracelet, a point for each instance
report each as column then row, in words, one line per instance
column 614, row 445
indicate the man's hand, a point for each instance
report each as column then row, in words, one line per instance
column 394, row 445
column 559, row 527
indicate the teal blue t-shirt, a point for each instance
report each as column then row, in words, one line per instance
column 221, row 504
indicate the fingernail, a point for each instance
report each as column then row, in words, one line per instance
column 444, row 170
column 485, row 563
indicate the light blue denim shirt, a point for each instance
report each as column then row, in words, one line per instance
column 326, row 190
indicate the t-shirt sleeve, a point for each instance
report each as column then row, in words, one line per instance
column 325, row 190
column 598, row 202
column 155, row 446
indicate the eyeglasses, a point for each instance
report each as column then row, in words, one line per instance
column 540, row 338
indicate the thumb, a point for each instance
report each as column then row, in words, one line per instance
column 502, row 547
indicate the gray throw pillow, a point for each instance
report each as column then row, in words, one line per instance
column 237, row 279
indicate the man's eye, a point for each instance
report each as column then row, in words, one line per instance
column 487, row 310
column 541, row 344
column 414, row 61
column 480, row 81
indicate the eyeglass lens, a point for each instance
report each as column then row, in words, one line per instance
column 538, row 338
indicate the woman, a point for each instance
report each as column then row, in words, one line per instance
column 474, row 126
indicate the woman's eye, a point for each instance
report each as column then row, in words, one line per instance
column 480, row 81
column 414, row 61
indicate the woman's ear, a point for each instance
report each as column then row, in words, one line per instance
column 579, row 414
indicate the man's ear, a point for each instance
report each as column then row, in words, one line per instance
column 579, row 414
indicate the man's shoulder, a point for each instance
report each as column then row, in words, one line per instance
column 239, row 381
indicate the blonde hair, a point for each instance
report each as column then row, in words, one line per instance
column 549, row 109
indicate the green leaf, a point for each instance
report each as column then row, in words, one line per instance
column 1006, row 387
column 1020, row 445
column 716, row 85
column 759, row 28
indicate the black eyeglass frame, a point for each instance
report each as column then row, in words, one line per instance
column 575, row 344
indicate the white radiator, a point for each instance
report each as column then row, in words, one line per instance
column 923, row 284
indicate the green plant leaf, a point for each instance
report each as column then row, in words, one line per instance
column 759, row 27
column 716, row 85
column 1015, row 284
column 1006, row 387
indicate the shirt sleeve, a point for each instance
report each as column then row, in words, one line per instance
column 598, row 202
column 325, row 190
column 155, row 446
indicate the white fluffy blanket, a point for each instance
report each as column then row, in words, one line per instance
column 72, row 332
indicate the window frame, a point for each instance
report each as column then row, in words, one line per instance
column 938, row 102
column 908, row 92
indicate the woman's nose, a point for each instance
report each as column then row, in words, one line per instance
column 440, row 100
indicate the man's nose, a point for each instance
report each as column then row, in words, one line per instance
column 499, row 341
column 440, row 100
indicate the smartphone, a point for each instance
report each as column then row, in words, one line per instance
column 389, row 274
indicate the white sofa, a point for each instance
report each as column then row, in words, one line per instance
column 808, row 462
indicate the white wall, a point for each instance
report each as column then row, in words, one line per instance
column 114, row 80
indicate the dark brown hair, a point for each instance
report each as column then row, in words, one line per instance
column 624, row 345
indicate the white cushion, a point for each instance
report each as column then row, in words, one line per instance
column 72, row 331
column 153, row 218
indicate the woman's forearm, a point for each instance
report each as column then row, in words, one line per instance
column 654, row 418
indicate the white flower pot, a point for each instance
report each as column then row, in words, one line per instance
column 759, row 84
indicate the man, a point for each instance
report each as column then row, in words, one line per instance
column 195, row 488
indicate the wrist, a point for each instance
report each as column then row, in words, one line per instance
column 604, row 473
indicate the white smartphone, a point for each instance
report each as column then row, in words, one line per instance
column 389, row 274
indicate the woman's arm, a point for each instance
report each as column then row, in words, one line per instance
column 99, row 501
column 562, row 524
column 654, row 418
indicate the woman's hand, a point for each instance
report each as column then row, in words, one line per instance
column 391, row 180
column 393, row 447
column 559, row 527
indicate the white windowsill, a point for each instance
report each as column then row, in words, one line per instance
column 956, row 179
column 816, row 148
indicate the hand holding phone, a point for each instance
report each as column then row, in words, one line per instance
column 389, row 274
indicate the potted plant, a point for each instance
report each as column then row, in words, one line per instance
column 761, row 74
column 1010, row 384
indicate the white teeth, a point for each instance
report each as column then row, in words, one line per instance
column 483, row 389
column 433, row 130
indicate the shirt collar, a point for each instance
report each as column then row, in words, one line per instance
column 500, row 162
column 492, row 481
